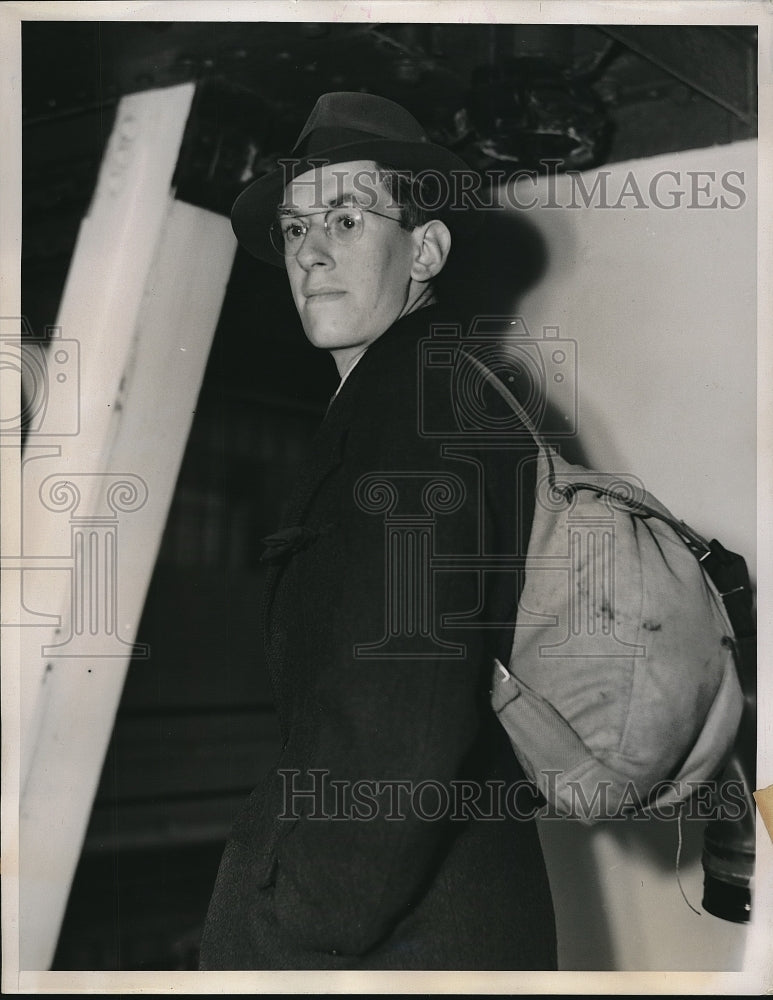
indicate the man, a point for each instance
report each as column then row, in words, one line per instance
column 355, row 852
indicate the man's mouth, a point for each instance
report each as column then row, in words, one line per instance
column 324, row 293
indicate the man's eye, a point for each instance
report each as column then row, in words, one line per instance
column 292, row 230
column 345, row 221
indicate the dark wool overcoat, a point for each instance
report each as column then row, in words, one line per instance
column 389, row 834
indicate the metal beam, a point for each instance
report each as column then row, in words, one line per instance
column 711, row 60
column 143, row 301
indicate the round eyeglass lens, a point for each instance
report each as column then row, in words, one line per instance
column 343, row 225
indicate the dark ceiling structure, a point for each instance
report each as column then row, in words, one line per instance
column 504, row 96
column 70, row 66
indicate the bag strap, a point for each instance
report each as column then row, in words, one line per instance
column 726, row 570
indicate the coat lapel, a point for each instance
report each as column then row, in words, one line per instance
column 325, row 455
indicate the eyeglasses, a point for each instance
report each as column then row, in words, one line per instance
column 343, row 224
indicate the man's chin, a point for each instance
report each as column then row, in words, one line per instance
column 327, row 339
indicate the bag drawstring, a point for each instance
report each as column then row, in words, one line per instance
column 679, row 858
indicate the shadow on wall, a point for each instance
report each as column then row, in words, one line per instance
column 491, row 272
column 487, row 277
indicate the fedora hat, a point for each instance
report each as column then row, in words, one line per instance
column 350, row 126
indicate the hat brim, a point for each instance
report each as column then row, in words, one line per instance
column 255, row 208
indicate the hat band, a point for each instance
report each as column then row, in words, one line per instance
column 328, row 138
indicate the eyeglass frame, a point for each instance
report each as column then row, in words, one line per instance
column 272, row 230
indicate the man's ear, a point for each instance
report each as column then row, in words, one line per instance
column 432, row 244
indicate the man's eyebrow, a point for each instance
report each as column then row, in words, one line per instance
column 347, row 198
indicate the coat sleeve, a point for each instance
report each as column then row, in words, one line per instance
column 390, row 733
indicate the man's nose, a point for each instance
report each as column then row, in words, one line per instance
column 316, row 245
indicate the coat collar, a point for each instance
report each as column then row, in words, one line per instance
column 327, row 445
